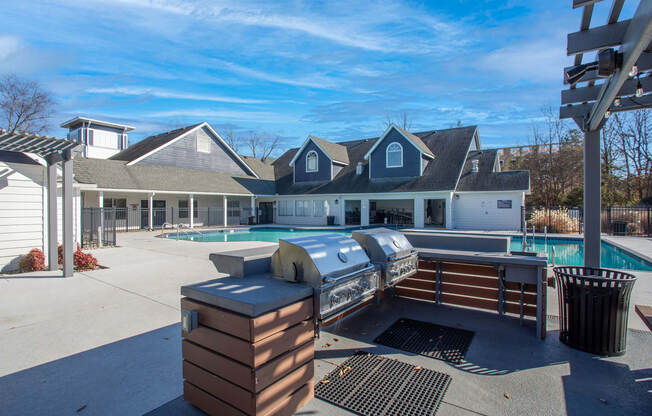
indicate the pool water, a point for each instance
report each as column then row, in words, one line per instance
column 570, row 251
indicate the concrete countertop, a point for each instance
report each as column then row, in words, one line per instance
column 482, row 257
column 251, row 296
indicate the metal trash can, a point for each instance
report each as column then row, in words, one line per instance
column 620, row 227
column 330, row 220
column 593, row 308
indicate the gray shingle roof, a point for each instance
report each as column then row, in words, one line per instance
column 115, row 174
column 417, row 141
column 264, row 170
column 150, row 143
column 335, row 151
column 442, row 173
column 488, row 180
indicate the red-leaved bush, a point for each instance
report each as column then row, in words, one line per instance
column 83, row 261
column 33, row 261
column 60, row 254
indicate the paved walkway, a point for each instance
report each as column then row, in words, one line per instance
column 108, row 342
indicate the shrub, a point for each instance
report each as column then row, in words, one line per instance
column 557, row 220
column 60, row 254
column 33, row 261
column 84, row 261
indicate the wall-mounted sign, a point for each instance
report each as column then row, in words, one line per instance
column 504, row 204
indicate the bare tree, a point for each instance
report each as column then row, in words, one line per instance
column 261, row 147
column 24, row 105
column 404, row 121
column 232, row 139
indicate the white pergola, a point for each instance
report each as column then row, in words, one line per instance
column 592, row 98
column 53, row 150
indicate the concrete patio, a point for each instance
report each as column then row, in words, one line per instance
column 108, row 342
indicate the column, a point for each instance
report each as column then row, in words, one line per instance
column 449, row 211
column 150, row 211
column 226, row 211
column 592, row 198
column 67, row 209
column 253, row 209
column 191, row 208
column 364, row 212
column 419, row 213
column 53, row 251
column 100, row 229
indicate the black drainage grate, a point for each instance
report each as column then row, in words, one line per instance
column 436, row 341
column 372, row 385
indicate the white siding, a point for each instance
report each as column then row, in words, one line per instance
column 21, row 212
column 331, row 209
column 478, row 211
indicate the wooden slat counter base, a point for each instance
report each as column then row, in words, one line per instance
column 237, row 364
column 499, row 282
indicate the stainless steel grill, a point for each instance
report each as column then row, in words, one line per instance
column 335, row 266
column 390, row 251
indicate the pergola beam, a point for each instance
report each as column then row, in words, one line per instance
column 626, row 104
column 585, row 94
column 637, row 37
column 597, row 38
column 583, row 3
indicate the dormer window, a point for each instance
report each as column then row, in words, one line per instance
column 311, row 162
column 394, row 155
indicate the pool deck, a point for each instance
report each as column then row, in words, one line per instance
column 108, row 342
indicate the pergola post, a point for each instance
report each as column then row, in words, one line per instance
column 226, row 213
column 67, row 209
column 592, row 198
column 53, row 251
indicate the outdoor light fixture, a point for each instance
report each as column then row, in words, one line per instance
column 607, row 114
column 633, row 72
column 639, row 88
column 607, row 64
column 617, row 102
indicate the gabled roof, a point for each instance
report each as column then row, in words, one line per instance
column 264, row 170
column 336, row 152
column 152, row 144
column 441, row 174
column 117, row 174
column 412, row 138
column 487, row 179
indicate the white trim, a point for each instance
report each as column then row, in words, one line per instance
column 387, row 166
column 316, row 169
column 199, row 126
column 92, row 188
column 395, row 127
column 68, row 123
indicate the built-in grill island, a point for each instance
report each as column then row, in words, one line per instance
column 391, row 252
column 335, row 266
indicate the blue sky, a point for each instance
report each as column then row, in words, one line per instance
column 330, row 69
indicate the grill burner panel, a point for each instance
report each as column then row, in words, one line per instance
column 335, row 266
column 390, row 251
column 371, row 385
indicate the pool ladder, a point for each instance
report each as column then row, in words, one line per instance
column 181, row 228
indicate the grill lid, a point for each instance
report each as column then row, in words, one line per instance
column 381, row 243
column 312, row 258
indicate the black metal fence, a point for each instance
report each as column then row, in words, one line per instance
column 103, row 223
column 633, row 221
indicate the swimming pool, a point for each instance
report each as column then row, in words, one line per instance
column 568, row 251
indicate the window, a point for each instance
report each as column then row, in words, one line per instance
column 394, row 155
column 319, row 208
column 302, row 208
column 233, row 208
column 504, row 204
column 120, row 205
column 285, row 208
column 311, row 162
column 203, row 143
column 184, row 208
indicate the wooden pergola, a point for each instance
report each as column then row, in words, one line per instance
column 619, row 80
column 53, row 151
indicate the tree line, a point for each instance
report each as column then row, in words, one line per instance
column 556, row 164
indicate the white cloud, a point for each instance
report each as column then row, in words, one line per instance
column 311, row 81
column 9, row 45
column 201, row 113
column 162, row 93
column 534, row 60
